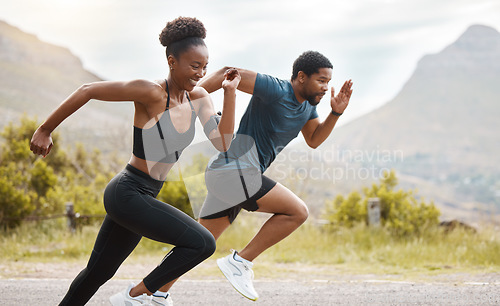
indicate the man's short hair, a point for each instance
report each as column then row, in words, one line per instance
column 310, row 62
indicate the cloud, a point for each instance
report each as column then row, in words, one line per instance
column 377, row 43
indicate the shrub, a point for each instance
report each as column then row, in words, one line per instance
column 400, row 211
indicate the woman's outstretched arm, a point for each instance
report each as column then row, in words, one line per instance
column 139, row 91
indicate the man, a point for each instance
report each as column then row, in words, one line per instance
column 277, row 112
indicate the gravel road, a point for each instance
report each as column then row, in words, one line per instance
column 45, row 284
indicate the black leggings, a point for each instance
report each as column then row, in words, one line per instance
column 133, row 212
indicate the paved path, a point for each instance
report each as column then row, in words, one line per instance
column 218, row 292
column 45, row 284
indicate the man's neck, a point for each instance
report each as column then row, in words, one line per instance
column 297, row 89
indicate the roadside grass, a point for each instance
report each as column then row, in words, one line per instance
column 359, row 250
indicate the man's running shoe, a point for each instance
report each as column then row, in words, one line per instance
column 239, row 274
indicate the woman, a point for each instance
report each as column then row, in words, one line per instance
column 164, row 117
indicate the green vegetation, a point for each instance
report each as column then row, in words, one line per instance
column 400, row 212
column 409, row 238
column 31, row 186
column 37, row 187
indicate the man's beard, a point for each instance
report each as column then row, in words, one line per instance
column 312, row 100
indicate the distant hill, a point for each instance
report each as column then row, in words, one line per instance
column 447, row 112
column 441, row 132
column 36, row 76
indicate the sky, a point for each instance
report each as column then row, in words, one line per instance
column 376, row 43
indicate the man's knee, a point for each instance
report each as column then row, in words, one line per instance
column 302, row 213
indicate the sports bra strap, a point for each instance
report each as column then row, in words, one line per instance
column 168, row 97
column 191, row 104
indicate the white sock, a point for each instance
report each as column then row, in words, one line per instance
column 239, row 258
column 161, row 293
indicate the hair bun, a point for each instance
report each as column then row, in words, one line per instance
column 180, row 28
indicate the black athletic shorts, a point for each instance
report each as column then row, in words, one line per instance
column 231, row 190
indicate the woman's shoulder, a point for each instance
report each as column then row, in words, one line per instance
column 198, row 93
column 145, row 83
column 145, row 86
column 200, row 97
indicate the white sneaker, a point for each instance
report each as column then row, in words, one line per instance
column 123, row 298
column 159, row 300
column 239, row 274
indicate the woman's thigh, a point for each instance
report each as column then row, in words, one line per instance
column 161, row 222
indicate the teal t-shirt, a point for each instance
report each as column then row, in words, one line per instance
column 272, row 119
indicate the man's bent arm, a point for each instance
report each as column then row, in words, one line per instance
column 316, row 132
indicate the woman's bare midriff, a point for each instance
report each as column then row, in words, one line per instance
column 156, row 170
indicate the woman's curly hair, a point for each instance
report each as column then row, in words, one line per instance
column 182, row 33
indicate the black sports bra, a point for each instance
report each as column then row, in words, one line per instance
column 162, row 142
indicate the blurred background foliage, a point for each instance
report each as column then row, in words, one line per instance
column 32, row 186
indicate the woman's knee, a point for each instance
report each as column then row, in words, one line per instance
column 210, row 244
column 206, row 245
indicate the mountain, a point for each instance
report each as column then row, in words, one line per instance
column 448, row 109
column 440, row 132
column 35, row 77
